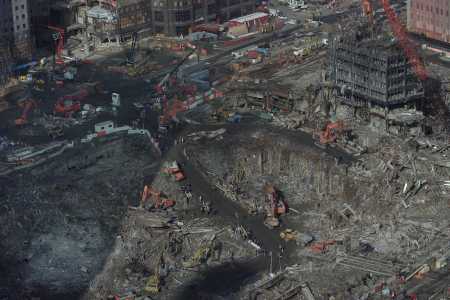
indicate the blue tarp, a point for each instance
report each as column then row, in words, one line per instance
column 24, row 66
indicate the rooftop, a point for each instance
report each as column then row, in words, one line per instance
column 250, row 17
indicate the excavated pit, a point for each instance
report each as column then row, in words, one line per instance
column 245, row 160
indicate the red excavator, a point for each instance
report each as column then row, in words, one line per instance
column 69, row 104
column 159, row 202
column 27, row 105
column 275, row 207
column 331, row 132
column 173, row 168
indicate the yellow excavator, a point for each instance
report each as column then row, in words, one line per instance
column 201, row 255
column 153, row 285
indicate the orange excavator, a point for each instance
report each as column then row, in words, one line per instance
column 171, row 112
column 27, row 105
column 69, row 104
column 159, row 202
column 173, row 168
column 275, row 208
column 331, row 132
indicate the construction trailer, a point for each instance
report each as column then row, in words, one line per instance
column 372, row 79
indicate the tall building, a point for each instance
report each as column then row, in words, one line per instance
column 15, row 28
column 430, row 17
column 133, row 15
column 174, row 17
column 40, row 17
column 372, row 78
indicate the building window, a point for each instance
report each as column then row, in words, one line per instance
column 182, row 15
column 159, row 16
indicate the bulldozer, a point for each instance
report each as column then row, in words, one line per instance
column 275, row 207
column 159, row 202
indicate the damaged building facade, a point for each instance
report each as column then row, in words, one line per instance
column 374, row 82
column 15, row 29
column 177, row 17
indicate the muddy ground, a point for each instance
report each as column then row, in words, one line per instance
column 59, row 221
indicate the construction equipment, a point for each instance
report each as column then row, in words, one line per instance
column 322, row 246
column 153, row 285
column 401, row 35
column 58, row 37
column 161, row 87
column 201, row 255
column 69, row 104
column 289, row 235
column 171, row 113
column 159, row 202
column 27, row 105
column 331, row 132
column 173, row 168
column 275, row 207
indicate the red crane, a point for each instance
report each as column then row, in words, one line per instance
column 58, row 37
column 402, row 36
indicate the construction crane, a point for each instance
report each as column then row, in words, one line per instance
column 161, row 87
column 401, row 35
column 58, row 37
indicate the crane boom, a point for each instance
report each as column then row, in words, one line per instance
column 58, row 37
column 402, row 36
